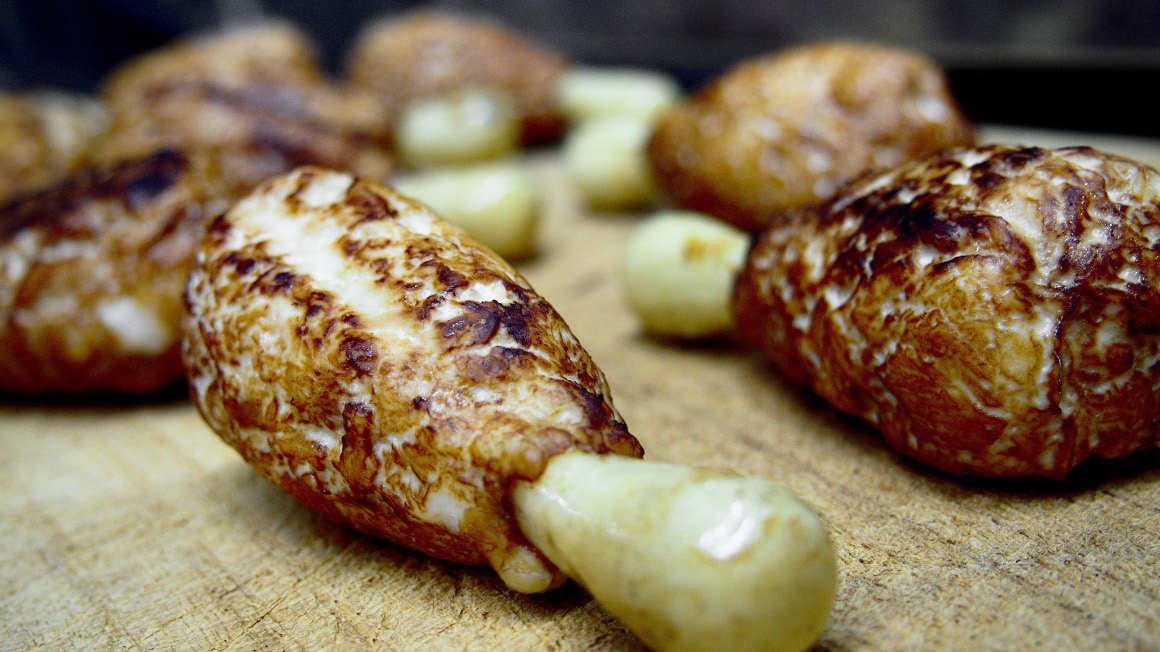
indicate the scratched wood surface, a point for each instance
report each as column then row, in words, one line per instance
column 130, row 526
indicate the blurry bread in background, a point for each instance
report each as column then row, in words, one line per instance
column 259, row 85
column 427, row 55
column 94, row 269
column 785, row 130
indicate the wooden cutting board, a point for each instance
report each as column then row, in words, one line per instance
column 130, row 526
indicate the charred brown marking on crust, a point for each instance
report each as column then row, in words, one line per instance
column 596, row 412
column 493, row 365
column 478, row 323
column 361, row 354
column 451, row 279
column 519, row 320
column 356, row 462
column 218, row 226
column 371, row 206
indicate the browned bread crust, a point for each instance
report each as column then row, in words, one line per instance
column 272, row 54
column 44, row 136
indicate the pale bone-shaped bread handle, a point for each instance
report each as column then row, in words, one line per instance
column 689, row 559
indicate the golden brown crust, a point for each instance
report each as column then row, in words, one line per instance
column 92, row 274
column 429, row 54
column 991, row 311
column 384, row 369
column 787, row 129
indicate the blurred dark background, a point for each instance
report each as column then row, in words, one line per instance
column 1074, row 64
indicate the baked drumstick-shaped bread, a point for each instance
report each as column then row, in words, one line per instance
column 380, row 366
column 992, row 311
column 231, row 89
column 92, row 270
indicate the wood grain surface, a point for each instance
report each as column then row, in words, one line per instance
column 129, row 525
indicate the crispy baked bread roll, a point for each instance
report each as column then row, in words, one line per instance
column 303, row 125
column 92, row 271
column 992, row 311
column 787, row 129
column 380, row 366
column 426, row 55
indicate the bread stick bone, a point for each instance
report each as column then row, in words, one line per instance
column 677, row 272
column 497, row 203
column 687, row 558
column 466, row 126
